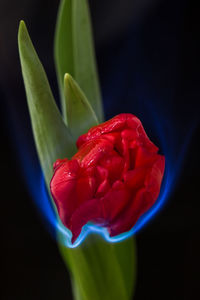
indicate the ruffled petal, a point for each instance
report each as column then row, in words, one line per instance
column 114, row 164
column 89, row 211
column 59, row 162
column 70, row 188
column 117, row 123
column 142, row 200
column 134, row 179
column 113, row 178
column 91, row 152
column 144, row 158
column 103, row 188
column 154, row 177
column 115, row 201
column 63, row 189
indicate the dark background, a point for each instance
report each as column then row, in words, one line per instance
column 148, row 63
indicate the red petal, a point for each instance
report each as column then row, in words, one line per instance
column 145, row 141
column 89, row 211
column 114, row 164
column 154, row 178
column 142, row 201
column 115, row 200
column 116, row 150
column 134, row 179
column 70, row 188
column 85, row 189
column 115, row 124
column 102, row 189
column 91, row 152
column 100, row 174
column 59, row 162
column 125, row 147
column 144, row 158
column 63, row 187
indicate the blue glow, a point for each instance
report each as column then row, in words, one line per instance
column 37, row 188
column 127, row 86
column 89, row 228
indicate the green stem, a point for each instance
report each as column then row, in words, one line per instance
column 101, row 270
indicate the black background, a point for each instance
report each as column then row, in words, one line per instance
column 146, row 51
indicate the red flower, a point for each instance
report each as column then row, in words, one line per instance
column 112, row 180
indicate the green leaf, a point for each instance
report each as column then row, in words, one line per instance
column 51, row 135
column 63, row 46
column 84, row 56
column 101, row 270
column 74, row 51
column 80, row 115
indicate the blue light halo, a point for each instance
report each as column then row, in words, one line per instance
column 66, row 234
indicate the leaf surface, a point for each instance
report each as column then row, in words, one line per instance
column 80, row 115
column 74, row 52
column 52, row 137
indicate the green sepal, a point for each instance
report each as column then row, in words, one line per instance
column 52, row 137
column 80, row 115
column 74, row 51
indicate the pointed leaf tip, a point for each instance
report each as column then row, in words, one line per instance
column 77, row 107
column 22, row 31
column 21, row 28
column 67, row 77
column 74, row 51
column 22, row 24
column 51, row 135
